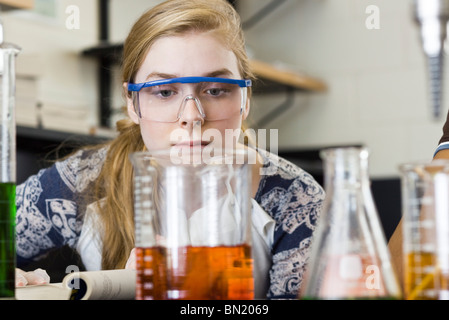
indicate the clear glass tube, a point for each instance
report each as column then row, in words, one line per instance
column 8, row 53
column 425, row 206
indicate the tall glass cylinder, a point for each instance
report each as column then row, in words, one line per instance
column 349, row 257
column 8, row 53
column 425, row 207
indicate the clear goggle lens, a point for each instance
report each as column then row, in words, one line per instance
column 166, row 102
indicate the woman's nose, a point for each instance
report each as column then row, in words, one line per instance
column 191, row 112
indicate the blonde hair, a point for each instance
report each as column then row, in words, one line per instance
column 115, row 183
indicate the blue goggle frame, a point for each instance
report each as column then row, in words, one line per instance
column 243, row 83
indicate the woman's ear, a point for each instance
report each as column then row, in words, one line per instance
column 246, row 109
column 130, row 105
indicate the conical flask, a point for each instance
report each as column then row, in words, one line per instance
column 349, row 255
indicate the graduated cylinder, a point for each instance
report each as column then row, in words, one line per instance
column 8, row 53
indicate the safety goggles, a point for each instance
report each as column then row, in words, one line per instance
column 165, row 100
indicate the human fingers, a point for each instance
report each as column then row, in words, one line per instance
column 36, row 277
column 21, row 280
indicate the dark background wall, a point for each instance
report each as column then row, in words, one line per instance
column 386, row 192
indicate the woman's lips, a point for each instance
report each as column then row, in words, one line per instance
column 192, row 143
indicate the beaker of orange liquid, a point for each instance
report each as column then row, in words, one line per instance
column 193, row 227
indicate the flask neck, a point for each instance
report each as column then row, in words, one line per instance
column 345, row 168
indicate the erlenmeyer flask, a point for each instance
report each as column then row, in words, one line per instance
column 349, row 257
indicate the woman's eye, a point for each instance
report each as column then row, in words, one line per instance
column 166, row 93
column 163, row 92
column 215, row 91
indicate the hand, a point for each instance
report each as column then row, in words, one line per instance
column 38, row 276
column 131, row 263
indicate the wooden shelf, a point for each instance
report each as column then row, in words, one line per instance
column 112, row 51
column 17, row 4
column 265, row 71
column 96, row 136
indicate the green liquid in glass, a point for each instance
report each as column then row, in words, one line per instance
column 7, row 239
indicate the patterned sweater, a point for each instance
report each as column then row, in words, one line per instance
column 48, row 215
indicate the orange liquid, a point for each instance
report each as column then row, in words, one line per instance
column 419, row 276
column 195, row 273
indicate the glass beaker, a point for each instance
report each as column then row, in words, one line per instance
column 425, row 206
column 349, row 257
column 193, row 227
column 8, row 53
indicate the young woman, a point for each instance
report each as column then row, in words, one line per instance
column 86, row 200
